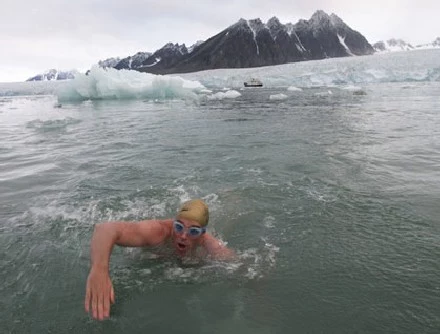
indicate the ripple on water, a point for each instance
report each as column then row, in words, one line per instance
column 52, row 125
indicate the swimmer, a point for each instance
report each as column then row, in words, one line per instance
column 183, row 236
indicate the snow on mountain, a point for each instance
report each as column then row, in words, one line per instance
column 393, row 45
column 174, row 48
column 275, row 27
column 132, row 62
column 139, row 58
column 196, row 44
column 342, row 41
column 54, row 74
column 434, row 45
column 156, row 61
column 109, row 62
column 253, row 43
column 256, row 26
column 128, row 63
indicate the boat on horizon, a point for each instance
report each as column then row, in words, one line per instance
column 253, row 82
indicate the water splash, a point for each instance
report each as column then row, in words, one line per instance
column 251, row 264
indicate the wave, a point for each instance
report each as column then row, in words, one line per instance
column 51, row 125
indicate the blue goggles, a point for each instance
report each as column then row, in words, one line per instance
column 193, row 231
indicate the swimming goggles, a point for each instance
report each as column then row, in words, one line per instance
column 193, row 231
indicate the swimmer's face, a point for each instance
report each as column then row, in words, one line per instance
column 186, row 235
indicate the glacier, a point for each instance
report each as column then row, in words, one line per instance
column 349, row 73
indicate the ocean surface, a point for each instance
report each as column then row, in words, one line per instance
column 326, row 182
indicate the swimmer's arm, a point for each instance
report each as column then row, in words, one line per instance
column 106, row 235
column 217, row 249
column 128, row 234
column 99, row 288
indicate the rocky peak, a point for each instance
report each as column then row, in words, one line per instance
column 196, row 44
column 273, row 22
column 275, row 27
column 393, row 44
column 337, row 22
column 301, row 25
column 53, row 74
column 170, row 47
column 241, row 24
column 290, row 28
column 252, row 43
column 320, row 20
column 109, row 62
column 398, row 42
column 132, row 62
column 380, row 46
column 256, row 25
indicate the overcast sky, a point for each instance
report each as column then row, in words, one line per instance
column 36, row 35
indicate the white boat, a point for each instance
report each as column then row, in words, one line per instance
column 253, row 82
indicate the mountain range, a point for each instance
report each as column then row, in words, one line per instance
column 394, row 44
column 53, row 74
column 252, row 43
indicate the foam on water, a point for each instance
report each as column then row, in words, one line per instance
column 251, row 264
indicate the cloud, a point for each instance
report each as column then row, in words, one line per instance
column 39, row 35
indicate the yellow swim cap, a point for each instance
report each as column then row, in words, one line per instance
column 195, row 210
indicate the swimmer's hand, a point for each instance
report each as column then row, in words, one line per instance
column 99, row 293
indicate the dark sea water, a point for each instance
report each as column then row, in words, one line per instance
column 329, row 194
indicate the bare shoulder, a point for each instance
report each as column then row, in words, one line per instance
column 216, row 248
column 155, row 231
column 141, row 233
